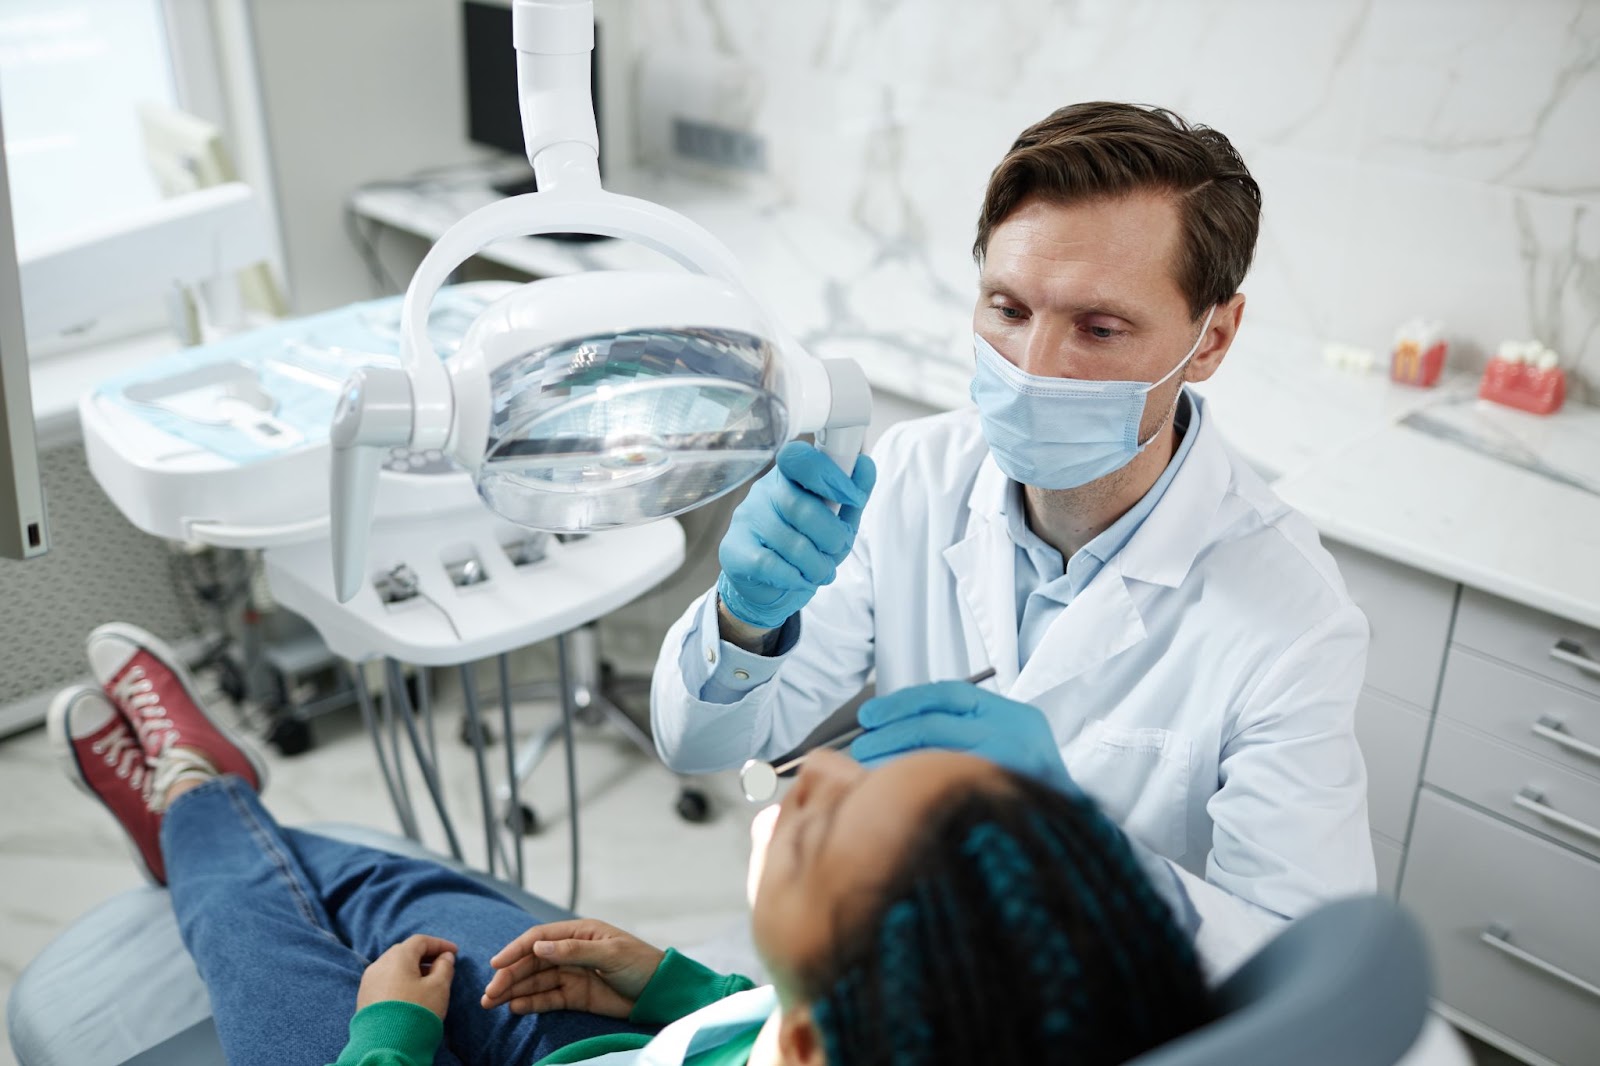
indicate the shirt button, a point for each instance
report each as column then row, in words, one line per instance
column 711, row 655
column 741, row 675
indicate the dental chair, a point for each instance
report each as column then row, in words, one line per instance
column 1346, row 986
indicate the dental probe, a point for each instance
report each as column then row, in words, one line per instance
column 759, row 778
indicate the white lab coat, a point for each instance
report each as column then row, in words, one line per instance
column 1202, row 687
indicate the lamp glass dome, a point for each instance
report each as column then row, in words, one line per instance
column 615, row 429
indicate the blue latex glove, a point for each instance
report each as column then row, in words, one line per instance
column 785, row 542
column 957, row 716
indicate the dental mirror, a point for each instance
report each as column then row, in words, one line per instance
column 759, row 778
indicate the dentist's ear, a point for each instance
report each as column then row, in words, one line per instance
column 1224, row 326
column 799, row 1041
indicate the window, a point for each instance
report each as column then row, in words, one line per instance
column 73, row 76
column 72, row 73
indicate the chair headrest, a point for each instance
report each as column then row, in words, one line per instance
column 1347, row 985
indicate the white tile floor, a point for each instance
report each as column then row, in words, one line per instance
column 643, row 868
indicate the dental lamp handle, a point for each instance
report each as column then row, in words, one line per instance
column 374, row 415
column 849, row 410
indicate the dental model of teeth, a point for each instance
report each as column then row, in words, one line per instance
column 1351, row 357
column 1419, row 353
column 1525, row 375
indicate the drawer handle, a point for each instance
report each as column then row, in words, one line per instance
column 1554, row 730
column 1531, row 799
column 1572, row 653
column 1499, row 938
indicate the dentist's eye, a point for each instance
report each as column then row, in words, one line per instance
column 1103, row 333
column 1010, row 312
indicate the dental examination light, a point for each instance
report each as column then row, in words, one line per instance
column 594, row 400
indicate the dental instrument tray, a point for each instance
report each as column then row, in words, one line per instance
column 227, row 443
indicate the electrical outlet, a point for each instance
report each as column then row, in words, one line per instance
column 721, row 146
column 699, row 115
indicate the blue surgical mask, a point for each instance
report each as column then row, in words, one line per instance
column 1060, row 433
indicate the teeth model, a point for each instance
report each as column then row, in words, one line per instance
column 1349, row 357
column 1525, row 375
column 1419, row 353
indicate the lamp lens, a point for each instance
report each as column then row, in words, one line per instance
column 622, row 428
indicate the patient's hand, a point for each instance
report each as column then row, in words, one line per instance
column 417, row 970
column 579, row 964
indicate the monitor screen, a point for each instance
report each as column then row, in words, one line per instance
column 493, row 117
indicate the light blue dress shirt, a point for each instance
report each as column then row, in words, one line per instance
column 1045, row 587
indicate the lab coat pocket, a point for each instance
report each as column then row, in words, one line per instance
column 1141, row 778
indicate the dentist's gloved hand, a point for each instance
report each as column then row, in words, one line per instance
column 957, row 716
column 785, row 542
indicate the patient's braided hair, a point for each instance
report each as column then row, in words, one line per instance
column 1020, row 928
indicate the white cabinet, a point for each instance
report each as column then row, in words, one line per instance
column 1409, row 614
column 1479, row 721
column 1509, row 919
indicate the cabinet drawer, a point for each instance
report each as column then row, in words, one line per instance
column 1553, row 647
column 1392, row 736
column 1515, row 785
column 1484, row 890
column 1387, row 854
column 1409, row 613
column 1531, row 714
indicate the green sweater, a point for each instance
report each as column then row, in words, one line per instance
column 397, row 1033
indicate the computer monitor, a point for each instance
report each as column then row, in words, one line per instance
column 494, row 117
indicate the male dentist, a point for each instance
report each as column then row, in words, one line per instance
column 1165, row 633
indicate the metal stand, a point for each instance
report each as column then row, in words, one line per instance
column 593, row 697
column 393, row 721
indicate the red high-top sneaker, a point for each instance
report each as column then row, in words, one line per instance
column 150, row 686
column 98, row 750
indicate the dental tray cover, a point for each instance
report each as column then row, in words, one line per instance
column 269, row 391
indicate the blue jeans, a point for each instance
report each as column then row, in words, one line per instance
column 281, row 924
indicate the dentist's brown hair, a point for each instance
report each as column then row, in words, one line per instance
column 1104, row 150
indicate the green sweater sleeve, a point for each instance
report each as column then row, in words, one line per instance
column 392, row 1033
column 679, row 987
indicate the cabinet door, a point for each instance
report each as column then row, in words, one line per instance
column 1513, row 784
column 1392, row 736
column 1388, row 855
column 1531, row 714
column 1510, row 922
column 1409, row 612
column 1538, row 642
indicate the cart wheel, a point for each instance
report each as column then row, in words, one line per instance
column 231, row 680
column 291, row 736
column 524, row 822
column 693, row 805
column 466, row 733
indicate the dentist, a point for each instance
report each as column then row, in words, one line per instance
column 1166, row 634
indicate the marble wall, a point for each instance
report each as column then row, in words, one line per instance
column 1434, row 157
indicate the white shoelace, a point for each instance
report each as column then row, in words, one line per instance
column 124, row 754
column 172, row 766
column 136, row 694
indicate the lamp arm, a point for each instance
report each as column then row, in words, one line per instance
column 588, row 211
column 554, row 40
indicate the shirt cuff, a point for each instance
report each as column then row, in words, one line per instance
column 679, row 987
column 392, row 1031
column 716, row 671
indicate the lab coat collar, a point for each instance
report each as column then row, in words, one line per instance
column 1100, row 622
column 984, row 563
column 1165, row 546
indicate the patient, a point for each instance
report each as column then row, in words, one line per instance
column 936, row 910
